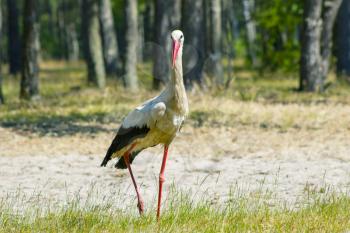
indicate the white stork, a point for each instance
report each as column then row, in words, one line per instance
column 156, row 121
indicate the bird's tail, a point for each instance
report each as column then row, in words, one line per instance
column 108, row 156
column 105, row 161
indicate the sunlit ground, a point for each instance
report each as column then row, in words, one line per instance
column 258, row 116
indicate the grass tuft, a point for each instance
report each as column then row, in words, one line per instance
column 331, row 213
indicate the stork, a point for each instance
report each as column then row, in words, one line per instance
column 156, row 121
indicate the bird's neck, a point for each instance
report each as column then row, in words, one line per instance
column 177, row 73
column 176, row 87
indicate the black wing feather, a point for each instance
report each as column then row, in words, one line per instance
column 124, row 137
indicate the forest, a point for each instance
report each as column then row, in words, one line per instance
column 304, row 39
column 264, row 148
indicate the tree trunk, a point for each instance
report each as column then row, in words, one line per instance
column 141, row 39
column 248, row 7
column 331, row 9
column 148, row 26
column 230, row 32
column 167, row 17
column 2, row 99
column 215, row 31
column 65, row 30
column 131, row 37
column 310, row 61
column 193, row 27
column 110, row 46
column 14, row 44
column 342, row 31
column 92, row 43
column 61, row 29
column 72, row 42
column 30, row 67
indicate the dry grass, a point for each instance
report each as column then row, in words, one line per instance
column 254, row 115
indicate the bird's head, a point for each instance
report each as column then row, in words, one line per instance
column 178, row 40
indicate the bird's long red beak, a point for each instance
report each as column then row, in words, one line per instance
column 176, row 46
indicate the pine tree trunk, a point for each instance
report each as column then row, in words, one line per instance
column 141, row 40
column 61, row 29
column 167, row 17
column 342, row 31
column 248, row 7
column 193, row 27
column 92, row 43
column 310, row 62
column 110, row 46
column 30, row 67
column 215, row 31
column 148, row 26
column 72, row 42
column 331, row 9
column 14, row 44
column 230, row 32
column 2, row 100
column 131, row 37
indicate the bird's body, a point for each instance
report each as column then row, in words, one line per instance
column 156, row 121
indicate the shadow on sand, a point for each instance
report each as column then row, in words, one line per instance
column 60, row 126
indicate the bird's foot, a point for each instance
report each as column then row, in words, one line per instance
column 141, row 207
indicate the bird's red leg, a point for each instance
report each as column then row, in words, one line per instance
column 139, row 199
column 161, row 179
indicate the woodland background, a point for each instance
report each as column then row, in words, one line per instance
column 303, row 39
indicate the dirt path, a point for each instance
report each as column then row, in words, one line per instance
column 207, row 162
column 62, row 177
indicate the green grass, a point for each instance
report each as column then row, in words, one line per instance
column 329, row 213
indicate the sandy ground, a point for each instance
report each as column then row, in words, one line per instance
column 207, row 166
column 63, row 177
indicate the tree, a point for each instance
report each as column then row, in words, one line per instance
column 148, row 26
column 72, row 42
column 67, row 23
column 214, row 42
column 30, row 67
column 92, row 43
column 131, row 37
column 330, row 11
column 2, row 99
column 342, row 31
column 14, row 48
column 230, row 33
column 248, row 7
column 316, row 43
column 193, row 27
column 109, row 38
column 167, row 17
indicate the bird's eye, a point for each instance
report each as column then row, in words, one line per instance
column 181, row 36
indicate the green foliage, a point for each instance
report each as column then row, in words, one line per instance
column 279, row 24
column 55, row 18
